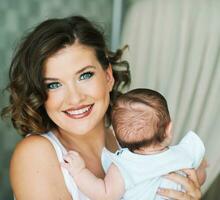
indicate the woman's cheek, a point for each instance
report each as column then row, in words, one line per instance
column 55, row 98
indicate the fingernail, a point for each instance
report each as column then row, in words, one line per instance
column 166, row 175
column 160, row 190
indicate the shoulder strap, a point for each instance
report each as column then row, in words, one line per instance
column 69, row 181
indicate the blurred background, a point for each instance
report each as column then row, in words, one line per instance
column 174, row 47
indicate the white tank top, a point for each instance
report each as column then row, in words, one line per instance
column 69, row 181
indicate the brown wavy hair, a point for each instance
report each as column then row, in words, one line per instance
column 26, row 85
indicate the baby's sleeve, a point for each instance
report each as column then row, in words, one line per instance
column 109, row 158
column 194, row 147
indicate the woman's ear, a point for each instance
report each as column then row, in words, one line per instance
column 110, row 77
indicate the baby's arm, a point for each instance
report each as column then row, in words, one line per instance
column 111, row 188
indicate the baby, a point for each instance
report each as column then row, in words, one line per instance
column 143, row 128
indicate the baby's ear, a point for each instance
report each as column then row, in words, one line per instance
column 169, row 131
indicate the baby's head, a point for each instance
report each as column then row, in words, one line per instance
column 141, row 118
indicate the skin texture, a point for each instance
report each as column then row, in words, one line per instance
column 35, row 172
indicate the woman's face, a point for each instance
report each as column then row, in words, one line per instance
column 78, row 89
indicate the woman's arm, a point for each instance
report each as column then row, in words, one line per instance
column 35, row 171
column 190, row 184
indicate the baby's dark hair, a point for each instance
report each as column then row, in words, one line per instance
column 140, row 118
column 26, row 86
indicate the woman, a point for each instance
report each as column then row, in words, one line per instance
column 62, row 78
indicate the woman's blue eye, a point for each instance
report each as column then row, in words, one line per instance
column 53, row 85
column 86, row 75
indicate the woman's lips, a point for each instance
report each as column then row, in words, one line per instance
column 79, row 113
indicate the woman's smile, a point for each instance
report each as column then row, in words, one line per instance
column 80, row 112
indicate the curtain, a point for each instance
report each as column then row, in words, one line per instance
column 174, row 47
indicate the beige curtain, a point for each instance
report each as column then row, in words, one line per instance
column 174, row 47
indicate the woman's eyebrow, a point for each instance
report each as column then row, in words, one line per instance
column 50, row 79
column 78, row 72
column 85, row 68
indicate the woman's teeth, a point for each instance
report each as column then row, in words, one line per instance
column 77, row 112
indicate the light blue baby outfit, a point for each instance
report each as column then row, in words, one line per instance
column 142, row 173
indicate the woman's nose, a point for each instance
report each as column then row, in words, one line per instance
column 74, row 95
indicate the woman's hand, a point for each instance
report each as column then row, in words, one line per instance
column 190, row 184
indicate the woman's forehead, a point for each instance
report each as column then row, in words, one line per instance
column 76, row 57
column 75, row 52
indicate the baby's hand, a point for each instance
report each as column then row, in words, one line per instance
column 73, row 162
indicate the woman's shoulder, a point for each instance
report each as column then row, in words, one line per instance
column 35, row 159
column 33, row 145
column 33, row 152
